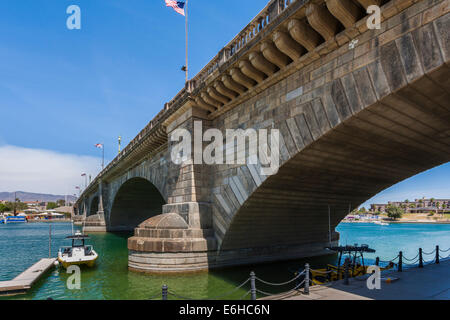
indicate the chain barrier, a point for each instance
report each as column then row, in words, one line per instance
column 265, row 293
column 245, row 296
column 213, row 298
column 413, row 263
column 322, row 272
column 283, row 283
column 392, row 260
column 404, row 258
column 282, row 293
column 230, row 292
column 180, row 297
column 158, row 295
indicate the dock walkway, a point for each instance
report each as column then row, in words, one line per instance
column 430, row 283
column 24, row 281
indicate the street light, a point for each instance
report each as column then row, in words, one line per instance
column 85, row 179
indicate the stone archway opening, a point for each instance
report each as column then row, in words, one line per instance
column 93, row 208
column 136, row 201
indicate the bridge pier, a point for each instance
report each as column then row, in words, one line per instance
column 96, row 222
column 179, row 240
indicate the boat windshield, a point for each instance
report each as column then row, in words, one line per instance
column 88, row 250
column 76, row 243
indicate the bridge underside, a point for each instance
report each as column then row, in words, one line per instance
column 406, row 133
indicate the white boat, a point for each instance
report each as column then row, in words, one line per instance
column 78, row 253
column 381, row 223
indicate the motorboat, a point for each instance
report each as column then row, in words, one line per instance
column 354, row 264
column 381, row 223
column 13, row 219
column 77, row 254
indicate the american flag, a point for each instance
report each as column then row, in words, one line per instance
column 178, row 6
column 99, row 145
column 83, row 175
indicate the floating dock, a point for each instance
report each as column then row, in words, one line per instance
column 24, row 281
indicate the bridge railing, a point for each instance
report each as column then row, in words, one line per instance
column 272, row 10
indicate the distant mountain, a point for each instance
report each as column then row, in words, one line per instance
column 28, row 196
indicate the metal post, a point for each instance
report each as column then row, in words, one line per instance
column 377, row 261
column 346, row 275
column 50, row 241
column 437, row 254
column 400, row 261
column 420, row 258
column 253, row 285
column 165, row 288
column 306, row 289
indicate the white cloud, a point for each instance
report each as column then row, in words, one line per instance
column 43, row 171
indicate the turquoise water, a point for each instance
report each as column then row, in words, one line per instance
column 21, row 245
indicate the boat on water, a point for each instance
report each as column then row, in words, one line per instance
column 354, row 257
column 77, row 254
column 381, row 223
column 13, row 219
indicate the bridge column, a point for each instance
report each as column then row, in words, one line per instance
column 181, row 239
column 97, row 222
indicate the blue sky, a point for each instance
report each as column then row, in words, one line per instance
column 62, row 91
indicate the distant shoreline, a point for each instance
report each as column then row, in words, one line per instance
column 402, row 222
column 48, row 221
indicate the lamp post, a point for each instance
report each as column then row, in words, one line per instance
column 120, row 141
column 85, row 180
column 102, row 146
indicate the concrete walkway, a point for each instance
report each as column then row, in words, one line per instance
column 26, row 279
column 430, row 283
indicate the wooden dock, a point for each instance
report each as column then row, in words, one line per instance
column 24, row 281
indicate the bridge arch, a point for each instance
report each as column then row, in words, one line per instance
column 339, row 162
column 136, row 200
column 93, row 206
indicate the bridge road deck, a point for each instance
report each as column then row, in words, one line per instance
column 430, row 283
column 26, row 279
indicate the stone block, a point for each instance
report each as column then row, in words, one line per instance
column 392, row 66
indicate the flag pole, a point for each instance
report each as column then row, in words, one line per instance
column 187, row 47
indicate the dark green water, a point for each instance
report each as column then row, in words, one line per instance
column 21, row 245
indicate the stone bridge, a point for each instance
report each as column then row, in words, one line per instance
column 359, row 110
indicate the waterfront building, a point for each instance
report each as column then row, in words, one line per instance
column 417, row 206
